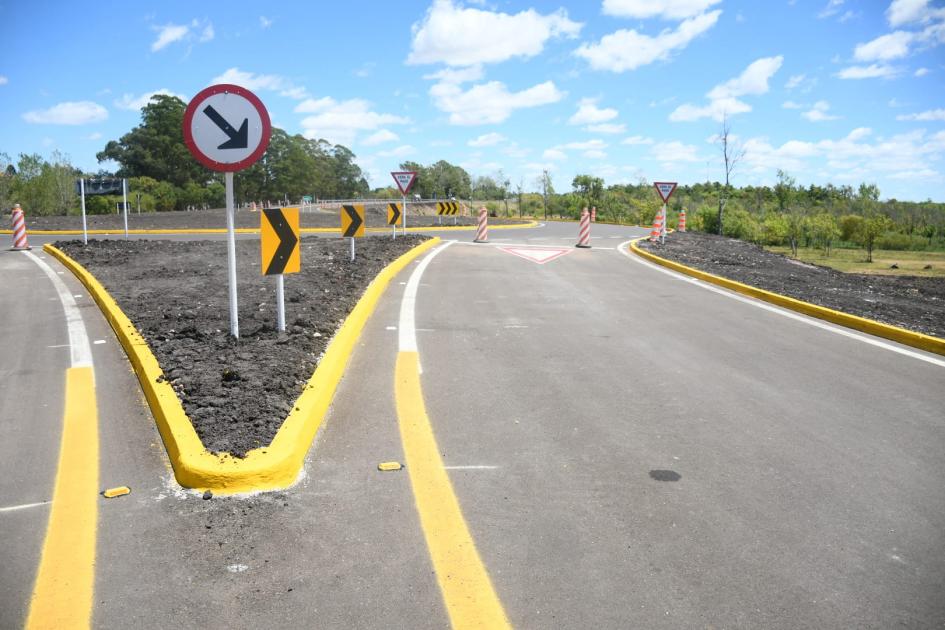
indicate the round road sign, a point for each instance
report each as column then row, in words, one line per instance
column 226, row 127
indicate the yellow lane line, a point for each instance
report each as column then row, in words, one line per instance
column 62, row 596
column 467, row 591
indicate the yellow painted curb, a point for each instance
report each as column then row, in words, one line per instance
column 185, row 231
column 268, row 468
column 887, row 331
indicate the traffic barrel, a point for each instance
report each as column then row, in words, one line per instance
column 657, row 226
column 482, row 233
column 19, row 230
column 584, row 237
column 682, row 221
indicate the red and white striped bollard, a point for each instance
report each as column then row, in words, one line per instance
column 19, row 230
column 682, row 220
column 482, row 233
column 584, row 238
column 594, row 214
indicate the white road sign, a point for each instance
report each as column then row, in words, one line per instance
column 226, row 127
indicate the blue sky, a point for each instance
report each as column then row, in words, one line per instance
column 834, row 91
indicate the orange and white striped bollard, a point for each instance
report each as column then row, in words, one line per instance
column 482, row 233
column 584, row 237
column 593, row 214
column 19, row 230
column 682, row 220
column 657, row 226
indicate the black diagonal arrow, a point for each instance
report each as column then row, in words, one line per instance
column 355, row 221
column 395, row 214
column 287, row 241
column 238, row 138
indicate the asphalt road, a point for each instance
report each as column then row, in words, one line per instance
column 627, row 448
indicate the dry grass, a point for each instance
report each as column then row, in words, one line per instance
column 854, row 261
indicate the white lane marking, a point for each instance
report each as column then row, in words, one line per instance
column 98, row 342
column 810, row 321
column 499, row 243
column 61, row 345
column 78, row 338
column 470, row 467
column 392, row 328
column 25, row 506
column 407, row 338
column 514, row 326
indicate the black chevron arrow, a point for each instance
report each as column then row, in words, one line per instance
column 395, row 216
column 287, row 241
column 355, row 220
column 238, row 138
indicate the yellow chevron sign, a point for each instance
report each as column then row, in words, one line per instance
column 447, row 207
column 352, row 221
column 393, row 213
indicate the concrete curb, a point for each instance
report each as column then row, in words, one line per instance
column 173, row 231
column 269, row 468
column 894, row 333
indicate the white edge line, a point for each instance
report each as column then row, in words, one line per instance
column 78, row 338
column 407, row 334
column 14, row 508
column 624, row 249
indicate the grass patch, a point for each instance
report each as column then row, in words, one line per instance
column 854, row 261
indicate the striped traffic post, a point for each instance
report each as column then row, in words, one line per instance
column 682, row 220
column 594, row 214
column 19, row 230
column 482, row 233
column 584, row 237
column 657, row 226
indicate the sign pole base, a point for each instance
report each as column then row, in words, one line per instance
column 280, row 303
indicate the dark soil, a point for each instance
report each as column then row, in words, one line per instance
column 911, row 302
column 375, row 216
column 237, row 393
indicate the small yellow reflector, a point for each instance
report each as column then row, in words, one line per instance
column 385, row 466
column 120, row 491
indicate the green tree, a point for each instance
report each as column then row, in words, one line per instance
column 156, row 148
column 589, row 188
column 873, row 226
column 825, row 229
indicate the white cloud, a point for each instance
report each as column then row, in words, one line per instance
column 399, row 152
column 486, row 140
column 97, row 135
column 818, row 112
column 255, row 82
column 872, row 71
column 791, row 105
column 674, row 151
column 832, row 8
column 885, row 47
column 457, row 75
column 795, row 81
column 340, row 121
column 458, row 36
column 588, row 113
column 135, row 103
column 587, row 145
column 921, row 72
column 69, row 113
column 207, row 34
column 723, row 99
column 627, row 49
column 379, row 137
column 489, row 102
column 902, row 12
column 264, row 22
column 595, row 154
column 554, row 154
column 636, row 140
column 607, row 128
column 666, row 9
column 168, row 34
column 932, row 114
column 3, row 80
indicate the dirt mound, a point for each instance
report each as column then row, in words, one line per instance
column 911, row 302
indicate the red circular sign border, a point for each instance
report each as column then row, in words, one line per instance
column 254, row 101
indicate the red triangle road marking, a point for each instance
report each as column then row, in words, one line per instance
column 540, row 255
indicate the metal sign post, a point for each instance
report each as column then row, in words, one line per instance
column 403, row 219
column 85, row 229
column 124, row 203
column 227, row 128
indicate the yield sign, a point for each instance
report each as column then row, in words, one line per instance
column 540, row 255
column 404, row 180
column 665, row 189
column 226, row 127
column 279, row 235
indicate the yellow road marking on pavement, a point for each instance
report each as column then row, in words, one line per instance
column 467, row 591
column 62, row 596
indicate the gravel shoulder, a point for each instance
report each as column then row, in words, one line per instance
column 911, row 302
column 375, row 216
column 237, row 393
